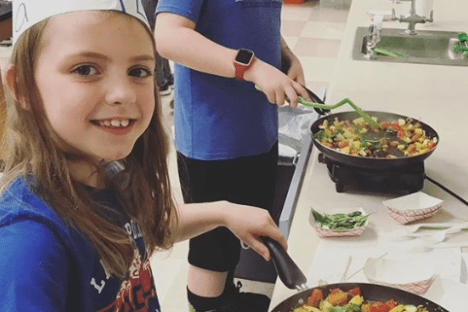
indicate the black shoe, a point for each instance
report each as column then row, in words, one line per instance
column 242, row 302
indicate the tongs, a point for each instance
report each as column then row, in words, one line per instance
column 319, row 104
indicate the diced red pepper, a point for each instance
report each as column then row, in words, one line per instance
column 335, row 291
column 343, row 144
column 315, row 297
column 338, row 298
column 390, row 304
column 411, row 148
column 378, row 307
column 355, row 291
column 396, row 126
column 416, row 137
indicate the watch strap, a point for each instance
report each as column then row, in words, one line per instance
column 241, row 69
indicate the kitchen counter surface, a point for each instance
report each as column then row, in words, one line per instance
column 432, row 93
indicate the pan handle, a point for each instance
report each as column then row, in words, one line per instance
column 288, row 271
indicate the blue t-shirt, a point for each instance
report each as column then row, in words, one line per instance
column 217, row 117
column 46, row 265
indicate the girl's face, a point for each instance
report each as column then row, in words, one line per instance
column 95, row 77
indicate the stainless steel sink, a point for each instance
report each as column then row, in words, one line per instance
column 426, row 47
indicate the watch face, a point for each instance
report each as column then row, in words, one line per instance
column 244, row 56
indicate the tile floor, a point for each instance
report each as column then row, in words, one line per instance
column 314, row 34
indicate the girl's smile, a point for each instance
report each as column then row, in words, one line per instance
column 117, row 126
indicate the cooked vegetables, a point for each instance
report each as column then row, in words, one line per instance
column 351, row 301
column 340, row 221
column 400, row 138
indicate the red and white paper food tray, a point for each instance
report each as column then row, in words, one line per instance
column 326, row 232
column 408, row 276
column 405, row 218
column 413, row 207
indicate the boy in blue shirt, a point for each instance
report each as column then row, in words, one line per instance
column 226, row 131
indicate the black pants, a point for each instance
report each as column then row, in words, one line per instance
column 246, row 180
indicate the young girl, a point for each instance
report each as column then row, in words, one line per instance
column 85, row 197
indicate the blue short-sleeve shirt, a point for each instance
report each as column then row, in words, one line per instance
column 223, row 118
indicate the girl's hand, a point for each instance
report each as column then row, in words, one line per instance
column 248, row 223
column 276, row 85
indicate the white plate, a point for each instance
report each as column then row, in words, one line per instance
column 415, row 202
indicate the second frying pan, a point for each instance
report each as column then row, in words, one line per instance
column 293, row 278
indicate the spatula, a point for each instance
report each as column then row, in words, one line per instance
column 288, row 271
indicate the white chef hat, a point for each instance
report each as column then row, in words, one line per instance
column 29, row 12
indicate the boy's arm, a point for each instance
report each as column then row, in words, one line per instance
column 177, row 40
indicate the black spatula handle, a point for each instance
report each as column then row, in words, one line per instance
column 288, row 271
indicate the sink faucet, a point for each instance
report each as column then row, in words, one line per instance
column 369, row 42
column 412, row 19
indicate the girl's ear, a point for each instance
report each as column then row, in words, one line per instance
column 13, row 86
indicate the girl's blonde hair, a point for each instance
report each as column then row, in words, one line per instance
column 33, row 149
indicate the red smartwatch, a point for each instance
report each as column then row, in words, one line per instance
column 243, row 61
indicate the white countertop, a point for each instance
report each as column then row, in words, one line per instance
column 432, row 93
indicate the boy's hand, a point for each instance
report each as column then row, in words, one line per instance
column 277, row 86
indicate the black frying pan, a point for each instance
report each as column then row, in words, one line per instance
column 293, row 278
column 367, row 162
column 368, row 291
